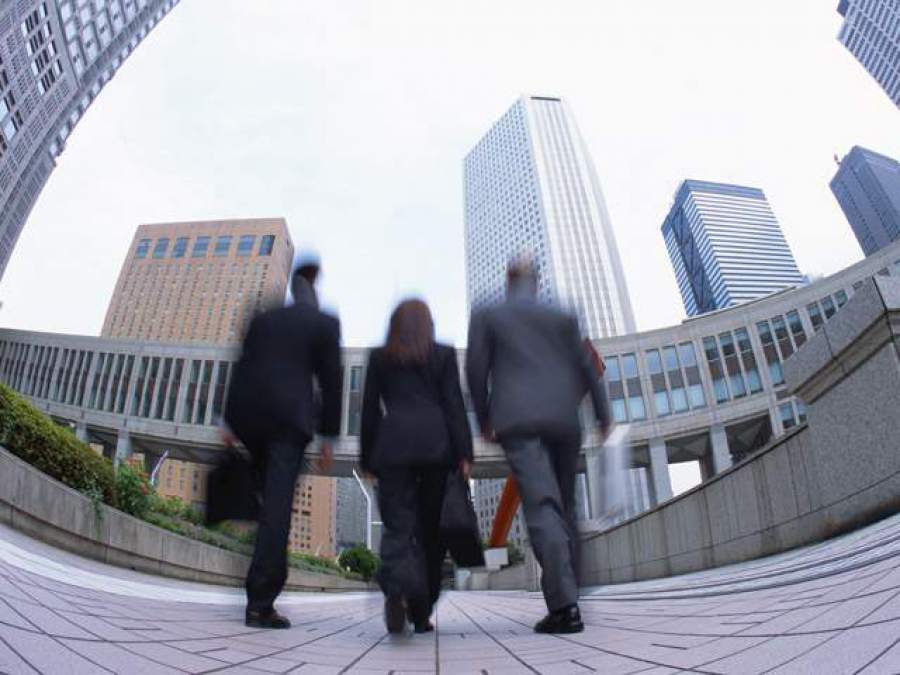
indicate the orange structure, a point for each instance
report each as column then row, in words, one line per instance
column 506, row 511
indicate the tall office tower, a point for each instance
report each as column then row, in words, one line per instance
column 199, row 281
column 530, row 186
column 871, row 31
column 55, row 57
column 867, row 186
column 313, row 516
column 726, row 246
column 350, row 515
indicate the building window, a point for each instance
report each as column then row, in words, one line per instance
column 815, row 315
column 676, row 380
column 180, row 247
column 142, row 248
column 354, row 408
column 636, row 408
column 223, row 245
column 796, row 325
column 162, row 245
column 732, row 366
column 266, row 244
column 245, row 245
column 201, row 246
column 828, row 306
column 616, row 389
column 658, row 382
column 787, row 415
column 841, row 298
column 771, row 352
column 748, row 359
column 714, row 362
column 691, row 369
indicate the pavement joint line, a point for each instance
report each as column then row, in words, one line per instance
column 494, row 639
column 291, row 648
column 655, row 664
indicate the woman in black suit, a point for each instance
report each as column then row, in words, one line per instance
column 414, row 432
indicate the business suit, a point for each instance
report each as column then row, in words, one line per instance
column 528, row 373
column 411, row 444
column 271, row 408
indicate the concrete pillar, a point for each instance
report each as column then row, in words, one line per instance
column 123, row 447
column 81, row 432
column 721, row 455
column 660, row 481
column 593, row 475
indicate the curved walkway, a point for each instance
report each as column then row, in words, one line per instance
column 831, row 608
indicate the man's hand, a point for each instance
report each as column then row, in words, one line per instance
column 465, row 468
column 228, row 437
column 326, row 455
column 604, row 430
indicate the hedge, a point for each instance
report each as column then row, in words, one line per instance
column 29, row 434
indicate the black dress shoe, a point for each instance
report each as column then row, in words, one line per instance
column 562, row 621
column 395, row 614
column 426, row 627
column 270, row 619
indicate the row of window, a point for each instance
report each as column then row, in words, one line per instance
column 200, row 249
column 102, row 381
column 45, row 65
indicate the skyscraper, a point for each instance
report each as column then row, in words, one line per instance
column 867, row 186
column 871, row 31
column 55, row 57
column 726, row 246
column 530, row 186
column 199, row 281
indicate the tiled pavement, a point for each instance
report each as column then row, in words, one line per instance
column 832, row 608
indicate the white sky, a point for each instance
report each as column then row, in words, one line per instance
column 351, row 119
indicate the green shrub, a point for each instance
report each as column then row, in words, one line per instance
column 359, row 560
column 134, row 495
column 515, row 554
column 313, row 563
column 173, row 507
column 31, row 435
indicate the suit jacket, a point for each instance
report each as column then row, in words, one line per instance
column 271, row 394
column 528, row 370
column 423, row 419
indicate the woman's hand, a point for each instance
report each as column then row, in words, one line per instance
column 465, row 468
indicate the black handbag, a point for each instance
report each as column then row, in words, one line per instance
column 232, row 489
column 459, row 524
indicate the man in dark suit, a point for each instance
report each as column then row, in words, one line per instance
column 528, row 372
column 272, row 410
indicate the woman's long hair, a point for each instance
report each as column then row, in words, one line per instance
column 410, row 337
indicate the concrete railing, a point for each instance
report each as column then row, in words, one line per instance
column 46, row 509
column 836, row 473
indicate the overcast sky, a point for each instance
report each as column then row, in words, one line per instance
column 351, row 119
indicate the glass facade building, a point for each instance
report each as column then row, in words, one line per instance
column 530, row 186
column 726, row 246
column 871, row 31
column 867, row 186
column 55, row 58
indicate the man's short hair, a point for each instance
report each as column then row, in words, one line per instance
column 522, row 267
column 307, row 266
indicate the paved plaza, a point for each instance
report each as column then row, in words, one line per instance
column 831, row 608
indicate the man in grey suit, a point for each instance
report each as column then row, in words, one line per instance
column 528, row 372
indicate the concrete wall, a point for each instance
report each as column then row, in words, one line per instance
column 46, row 509
column 758, row 507
column 840, row 471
